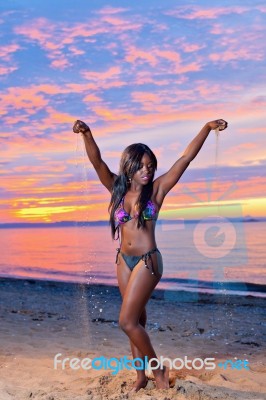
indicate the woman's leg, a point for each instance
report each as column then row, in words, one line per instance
column 123, row 275
column 138, row 291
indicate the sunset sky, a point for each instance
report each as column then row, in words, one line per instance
column 150, row 71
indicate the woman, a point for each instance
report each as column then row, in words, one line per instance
column 135, row 203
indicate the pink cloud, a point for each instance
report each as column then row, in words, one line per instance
column 230, row 49
column 190, row 47
column 253, row 130
column 80, row 87
column 156, row 109
column 55, row 38
column 118, row 22
column 48, row 89
column 50, row 166
column 45, row 33
column 111, row 154
column 174, row 146
column 161, row 100
column 61, row 63
column 121, row 24
column 119, row 121
column 112, row 72
column 192, row 67
column 179, row 199
column 111, row 10
column 242, row 147
column 38, row 30
column 256, row 183
column 168, row 55
column 22, row 98
column 86, row 31
column 136, row 55
column 195, row 12
column 237, row 54
column 29, row 100
column 92, row 98
column 261, row 8
column 7, row 70
column 219, row 29
column 205, row 88
column 76, row 51
column 144, row 77
column 155, row 56
column 57, row 117
column 146, row 97
column 6, row 51
column 111, row 114
column 12, row 120
column 104, row 80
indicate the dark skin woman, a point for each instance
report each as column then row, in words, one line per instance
column 136, row 199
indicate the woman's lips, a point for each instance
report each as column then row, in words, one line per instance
column 146, row 177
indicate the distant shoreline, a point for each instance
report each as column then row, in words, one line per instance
column 166, row 295
column 58, row 224
column 223, row 289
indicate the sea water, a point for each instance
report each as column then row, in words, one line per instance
column 77, row 254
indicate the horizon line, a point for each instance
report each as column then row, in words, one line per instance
column 106, row 222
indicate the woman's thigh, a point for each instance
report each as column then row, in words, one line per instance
column 138, row 291
column 123, row 274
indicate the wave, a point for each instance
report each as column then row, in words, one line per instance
column 166, row 283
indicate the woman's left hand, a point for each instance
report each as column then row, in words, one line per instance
column 218, row 123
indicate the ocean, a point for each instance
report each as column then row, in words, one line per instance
column 197, row 257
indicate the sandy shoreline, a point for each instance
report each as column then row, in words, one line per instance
column 40, row 319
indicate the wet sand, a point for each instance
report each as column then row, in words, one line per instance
column 40, row 319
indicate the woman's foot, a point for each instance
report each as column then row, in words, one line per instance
column 162, row 380
column 140, row 383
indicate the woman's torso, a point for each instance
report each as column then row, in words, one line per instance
column 134, row 240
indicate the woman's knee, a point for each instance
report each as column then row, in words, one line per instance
column 126, row 323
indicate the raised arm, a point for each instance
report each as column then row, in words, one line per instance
column 164, row 183
column 106, row 177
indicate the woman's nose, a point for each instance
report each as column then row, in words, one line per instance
column 145, row 169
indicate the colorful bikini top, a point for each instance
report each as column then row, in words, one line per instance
column 121, row 216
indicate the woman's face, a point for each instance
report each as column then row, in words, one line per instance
column 145, row 171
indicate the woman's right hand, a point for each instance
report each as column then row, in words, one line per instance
column 220, row 124
column 80, row 127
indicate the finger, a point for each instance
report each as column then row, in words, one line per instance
column 221, row 124
column 76, row 127
column 223, row 127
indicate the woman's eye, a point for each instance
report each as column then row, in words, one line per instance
column 148, row 167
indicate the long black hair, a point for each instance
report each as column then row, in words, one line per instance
column 129, row 165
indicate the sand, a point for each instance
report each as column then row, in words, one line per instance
column 40, row 319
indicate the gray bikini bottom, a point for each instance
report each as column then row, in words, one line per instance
column 132, row 261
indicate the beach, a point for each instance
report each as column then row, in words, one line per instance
column 41, row 319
